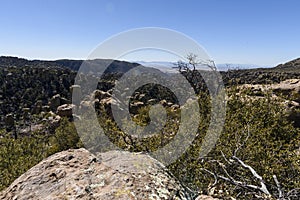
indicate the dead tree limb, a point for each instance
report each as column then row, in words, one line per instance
column 263, row 187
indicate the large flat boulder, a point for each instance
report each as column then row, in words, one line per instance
column 78, row 174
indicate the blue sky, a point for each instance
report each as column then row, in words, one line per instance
column 232, row 31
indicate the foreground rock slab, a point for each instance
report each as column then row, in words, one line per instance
column 78, row 174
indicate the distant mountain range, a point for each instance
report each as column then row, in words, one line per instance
column 169, row 66
column 124, row 66
column 225, row 67
column 113, row 65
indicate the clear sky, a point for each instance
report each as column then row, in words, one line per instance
column 232, row 31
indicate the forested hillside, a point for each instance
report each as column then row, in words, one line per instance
column 261, row 130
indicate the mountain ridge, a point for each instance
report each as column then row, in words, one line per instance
column 113, row 65
column 124, row 66
column 293, row 64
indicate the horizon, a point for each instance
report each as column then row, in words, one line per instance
column 155, row 63
column 247, row 32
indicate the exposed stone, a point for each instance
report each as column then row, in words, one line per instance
column 54, row 121
column 99, row 94
column 108, row 101
column 78, row 174
column 205, row 197
column 175, row 107
column 163, row 102
column 54, row 102
column 169, row 103
column 46, row 108
column 141, row 96
column 31, row 128
column 106, row 104
column 287, row 92
column 64, row 101
column 134, row 107
column 152, row 101
column 65, row 110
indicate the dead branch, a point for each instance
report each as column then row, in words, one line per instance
column 278, row 186
column 263, row 187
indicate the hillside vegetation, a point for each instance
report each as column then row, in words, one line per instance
column 260, row 130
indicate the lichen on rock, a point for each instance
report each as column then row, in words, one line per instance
column 79, row 174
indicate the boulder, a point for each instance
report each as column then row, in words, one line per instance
column 54, row 121
column 65, row 110
column 99, row 94
column 31, row 128
column 152, row 101
column 54, row 102
column 79, row 174
column 288, row 89
column 135, row 106
column 107, row 103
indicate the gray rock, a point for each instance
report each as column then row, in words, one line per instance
column 78, row 174
column 65, row 110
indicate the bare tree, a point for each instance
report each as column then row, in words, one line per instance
column 193, row 63
column 200, row 73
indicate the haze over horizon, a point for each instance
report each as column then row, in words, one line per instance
column 247, row 32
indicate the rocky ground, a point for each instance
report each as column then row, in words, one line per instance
column 287, row 92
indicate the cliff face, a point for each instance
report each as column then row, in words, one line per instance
column 78, row 174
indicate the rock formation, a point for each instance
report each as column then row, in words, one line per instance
column 65, row 110
column 78, row 174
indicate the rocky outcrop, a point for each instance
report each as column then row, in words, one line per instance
column 287, row 86
column 57, row 101
column 54, row 102
column 287, row 92
column 205, row 197
column 78, row 174
column 65, row 110
column 99, row 94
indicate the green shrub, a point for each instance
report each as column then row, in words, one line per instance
column 65, row 137
column 265, row 140
column 19, row 155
